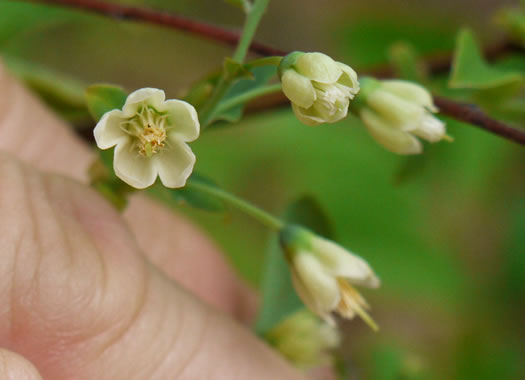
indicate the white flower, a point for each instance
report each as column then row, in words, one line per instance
column 150, row 135
column 397, row 112
column 319, row 88
column 304, row 339
column 323, row 274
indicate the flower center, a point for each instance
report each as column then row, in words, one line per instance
column 148, row 127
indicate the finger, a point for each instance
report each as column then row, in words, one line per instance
column 30, row 132
column 83, row 303
column 15, row 367
column 181, row 251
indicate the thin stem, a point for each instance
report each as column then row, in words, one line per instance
column 250, row 26
column 210, row 108
column 248, row 95
column 262, row 216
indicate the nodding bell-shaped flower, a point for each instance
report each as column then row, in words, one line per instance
column 396, row 113
column 319, row 88
column 304, row 339
column 323, row 273
column 150, row 135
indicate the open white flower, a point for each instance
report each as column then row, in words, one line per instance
column 150, row 135
column 323, row 274
column 397, row 112
column 304, row 339
column 319, row 88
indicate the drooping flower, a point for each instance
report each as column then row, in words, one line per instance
column 397, row 112
column 304, row 339
column 319, row 88
column 323, row 273
column 150, row 136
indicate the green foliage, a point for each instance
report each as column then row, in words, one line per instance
column 19, row 17
column 471, row 71
column 279, row 299
column 102, row 98
column 381, row 32
column 260, row 76
column 406, row 61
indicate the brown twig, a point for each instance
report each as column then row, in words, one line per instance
column 436, row 64
column 169, row 20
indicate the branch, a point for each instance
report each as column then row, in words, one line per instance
column 168, row 20
column 437, row 64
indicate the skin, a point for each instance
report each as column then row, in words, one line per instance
column 88, row 293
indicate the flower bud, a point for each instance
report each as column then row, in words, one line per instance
column 396, row 113
column 304, row 339
column 323, row 273
column 319, row 88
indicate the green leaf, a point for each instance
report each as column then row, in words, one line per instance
column 188, row 195
column 471, row 71
column 17, row 18
column 513, row 21
column 405, row 59
column 102, row 98
column 279, row 298
column 260, row 77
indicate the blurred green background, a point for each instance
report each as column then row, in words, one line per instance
column 445, row 231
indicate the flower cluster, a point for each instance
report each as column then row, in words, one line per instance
column 149, row 135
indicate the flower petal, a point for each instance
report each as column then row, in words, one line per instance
column 174, row 164
column 431, row 129
column 298, row 88
column 183, row 121
column 399, row 113
column 411, row 92
column 320, row 288
column 108, row 131
column 307, row 116
column 150, row 96
column 318, row 67
column 133, row 168
column 394, row 140
column 348, row 78
column 342, row 263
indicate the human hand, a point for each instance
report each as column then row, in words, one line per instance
column 89, row 293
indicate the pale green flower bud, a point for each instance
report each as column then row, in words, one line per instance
column 150, row 135
column 305, row 340
column 323, row 273
column 396, row 112
column 319, row 88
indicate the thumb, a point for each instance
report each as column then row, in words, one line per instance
column 15, row 367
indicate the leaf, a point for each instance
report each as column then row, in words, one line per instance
column 470, row 70
column 404, row 58
column 261, row 76
column 189, row 195
column 279, row 298
column 17, row 18
column 102, row 98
